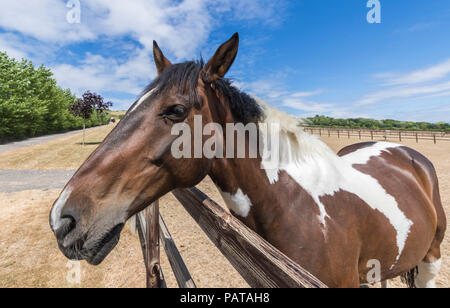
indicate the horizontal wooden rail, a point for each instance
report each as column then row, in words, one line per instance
column 258, row 262
column 396, row 135
column 179, row 268
column 403, row 131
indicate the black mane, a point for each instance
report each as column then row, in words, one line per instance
column 245, row 109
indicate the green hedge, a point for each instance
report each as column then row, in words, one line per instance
column 323, row 121
column 31, row 103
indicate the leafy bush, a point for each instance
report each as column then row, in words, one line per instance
column 32, row 104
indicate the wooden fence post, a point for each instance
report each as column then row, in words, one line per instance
column 434, row 138
column 371, row 135
column 400, row 136
column 153, row 251
column 360, row 135
column 417, row 137
column 147, row 223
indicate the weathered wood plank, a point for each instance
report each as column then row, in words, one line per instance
column 259, row 263
column 133, row 227
column 147, row 223
column 153, row 257
column 184, row 278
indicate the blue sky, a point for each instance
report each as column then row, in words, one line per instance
column 306, row 57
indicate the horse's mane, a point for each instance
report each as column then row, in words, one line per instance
column 296, row 144
column 245, row 109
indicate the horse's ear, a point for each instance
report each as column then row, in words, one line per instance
column 160, row 60
column 222, row 60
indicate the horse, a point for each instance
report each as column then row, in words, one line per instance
column 333, row 214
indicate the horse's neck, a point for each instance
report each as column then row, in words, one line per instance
column 241, row 183
column 250, row 191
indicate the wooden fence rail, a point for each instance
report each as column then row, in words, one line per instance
column 259, row 263
column 179, row 268
column 392, row 135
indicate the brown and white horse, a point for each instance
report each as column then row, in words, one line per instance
column 332, row 214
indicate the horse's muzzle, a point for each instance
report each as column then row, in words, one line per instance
column 93, row 248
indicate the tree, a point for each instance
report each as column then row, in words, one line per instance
column 32, row 104
column 83, row 110
column 85, row 107
column 99, row 104
column 324, row 121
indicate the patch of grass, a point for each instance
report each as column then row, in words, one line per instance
column 117, row 113
column 64, row 153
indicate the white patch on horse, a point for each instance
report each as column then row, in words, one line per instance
column 239, row 203
column 362, row 156
column 143, row 98
column 427, row 274
column 318, row 170
column 57, row 208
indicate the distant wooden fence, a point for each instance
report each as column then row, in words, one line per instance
column 392, row 135
column 258, row 262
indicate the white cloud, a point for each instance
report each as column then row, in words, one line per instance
column 180, row 26
column 307, row 94
column 119, row 103
column 403, row 92
column 97, row 73
column 33, row 50
column 422, row 26
column 274, row 92
column 44, row 20
column 37, row 29
column 432, row 73
column 308, row 106
column 11, row 48
column 262, row 11
column 421, row 84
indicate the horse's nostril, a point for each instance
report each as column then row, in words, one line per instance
column 66, row 224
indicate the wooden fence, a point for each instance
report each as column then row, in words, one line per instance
column 257, row 261
column 387, row 135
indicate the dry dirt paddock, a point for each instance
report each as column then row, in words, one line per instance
column 29, row 256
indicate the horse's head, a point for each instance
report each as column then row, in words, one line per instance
column 134, row 165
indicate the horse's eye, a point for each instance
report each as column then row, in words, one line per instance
column 175, row 112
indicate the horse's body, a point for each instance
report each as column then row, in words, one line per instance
column 333, row 214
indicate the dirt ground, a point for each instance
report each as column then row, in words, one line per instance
column 29, row 256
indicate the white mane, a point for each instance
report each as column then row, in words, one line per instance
column 296, row 145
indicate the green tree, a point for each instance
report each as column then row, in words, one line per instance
column 32, row 104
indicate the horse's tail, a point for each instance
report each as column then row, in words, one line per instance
column 409, row 278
